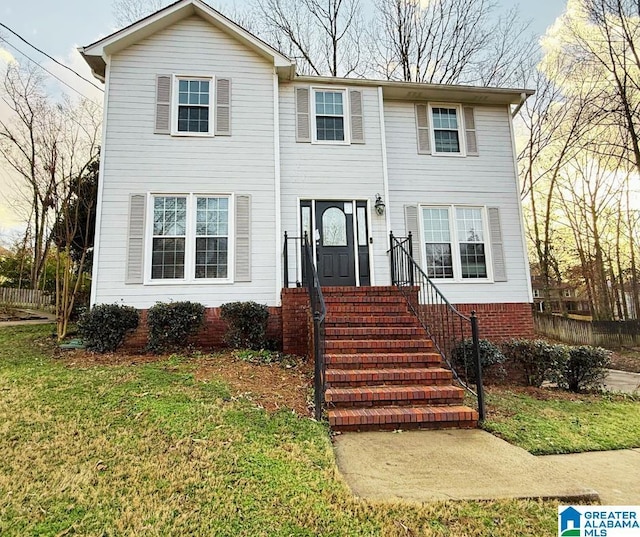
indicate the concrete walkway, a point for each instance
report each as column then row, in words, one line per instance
column 622, row 381
column 425, row 466
column 45, row 318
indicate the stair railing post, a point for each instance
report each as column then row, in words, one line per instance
column 411, row 277
column 393, row 261
column 286, row 260
column 478, row 365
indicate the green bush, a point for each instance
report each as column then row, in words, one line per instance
column 104, row 327
column 584, row 368
column 247, row 322
column 536, row 359
column 490, row 357
column 171, row 324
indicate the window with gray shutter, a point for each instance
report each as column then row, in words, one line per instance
column 412, row 226
column 135, row 240
column 243, row 239
column 470, row 131
column 357, row 116
column 303, row 123
column 163, row 104
column 497, row 248
column 422, row 126
column 223, row 107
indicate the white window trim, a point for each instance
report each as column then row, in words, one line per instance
column 461, row 130
column 455, row 244
column 175, row 95
column 346, row 116
column 190, row 240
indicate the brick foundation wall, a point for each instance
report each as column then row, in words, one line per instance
column 211, row 336
column 295, row 321
column 498, row 322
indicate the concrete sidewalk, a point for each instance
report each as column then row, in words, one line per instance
column 45, row 318
column 622, row 381
column 424, row 466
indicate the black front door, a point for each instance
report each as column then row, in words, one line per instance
column 334, row 243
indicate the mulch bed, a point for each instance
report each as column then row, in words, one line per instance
column 626, row 360
column 271, row 386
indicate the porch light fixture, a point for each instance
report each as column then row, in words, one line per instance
column 379, row 205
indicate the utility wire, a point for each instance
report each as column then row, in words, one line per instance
column 50, row 57
column 47, row 70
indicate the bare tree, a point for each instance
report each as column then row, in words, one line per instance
column 126, row 12
column 324, row 36
column 28, row 145
column 450, row 41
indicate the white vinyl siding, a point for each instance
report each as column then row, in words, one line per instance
column 238, row 164
column 487, row 180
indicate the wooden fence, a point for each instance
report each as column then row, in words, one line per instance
column 609, row 334
column 26, row 298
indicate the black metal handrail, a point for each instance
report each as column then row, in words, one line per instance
column 446, row 326
column 318, row 313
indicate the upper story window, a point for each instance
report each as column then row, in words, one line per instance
column 329, row 115
column 194, row 103
column 454, row 242
column 446, row 130
column 536, row 293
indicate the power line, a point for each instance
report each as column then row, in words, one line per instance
column 50, row 57
column 45, row 69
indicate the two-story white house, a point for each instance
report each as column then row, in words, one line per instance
column 214, row 148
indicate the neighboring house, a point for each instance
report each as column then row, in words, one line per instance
column 558, row 298
column 213, row 148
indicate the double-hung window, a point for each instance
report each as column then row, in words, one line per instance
column 455, row 242
column 194, row 112
column 447, row 132
column 190, row 237
column 329, row 107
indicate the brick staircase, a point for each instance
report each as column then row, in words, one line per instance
column 382, row 371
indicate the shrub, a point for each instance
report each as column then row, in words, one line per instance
column 171, row 324
column 490, row 357
column 104, row 327
column 584, row 368
column 537, row 359
column 247, row 323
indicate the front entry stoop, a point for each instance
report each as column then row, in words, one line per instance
column 382, row 371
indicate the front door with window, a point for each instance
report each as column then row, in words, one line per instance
column 341, row 240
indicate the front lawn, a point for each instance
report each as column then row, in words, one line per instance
column 169, row 447
column 546, row 421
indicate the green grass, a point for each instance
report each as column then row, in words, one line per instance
column 564, row 424
column 148, row 450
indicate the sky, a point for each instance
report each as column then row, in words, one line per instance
column 60, row 27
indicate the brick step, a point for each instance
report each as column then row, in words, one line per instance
column 374, row 332
column 387, row 290
column 378, row 319
column 430, row 376
column 426, row 417
column 366, row 396
column 364, row 299
column 392, row 360
column 347, row 308
column 357, row 346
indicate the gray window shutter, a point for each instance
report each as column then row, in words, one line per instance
column 163, row 104
column 135, row 239
column 422, row 125
column 497, row 249
column 412, row 226
column 470, row 131
column 357, row 117
column 303, row 123
column 243, row 238
column 223, row 107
